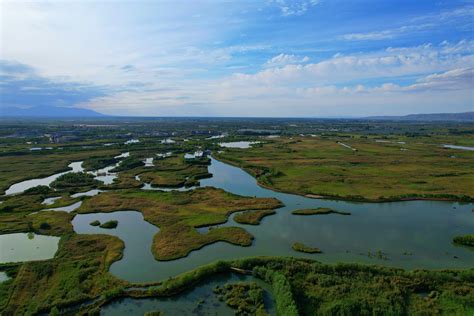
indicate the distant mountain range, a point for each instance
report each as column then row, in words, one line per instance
column 48, row 111
column 465, row 116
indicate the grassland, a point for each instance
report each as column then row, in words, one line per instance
column 20, row 166
column 175, row 172
column 307, row 287
column 352, row 289
column 419, row 167
column 77, row 273
column 252, row 217
column 297, row 246
column 177, row 214
column 318, row 211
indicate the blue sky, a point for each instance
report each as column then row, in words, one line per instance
column 305, row 58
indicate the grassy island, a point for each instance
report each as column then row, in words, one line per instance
column 319, row 211
column 466, row 240
column 75, row 180
column 252, row 217
column 297, row 246
column 178, row 214
column 109, row 225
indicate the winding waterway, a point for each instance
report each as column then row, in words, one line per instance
column 412, row 234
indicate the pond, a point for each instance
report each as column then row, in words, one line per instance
column 413, row 234
column 200, row 300
column 459, row 147
column 28, row 184
column 27, row 247
column 137, row 235
column 241, row 144
column 3, row 277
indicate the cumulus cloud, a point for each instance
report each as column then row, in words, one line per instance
column 285, row 59
column 317, row 88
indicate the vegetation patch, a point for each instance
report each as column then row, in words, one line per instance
column 94, row 223
column 252, row 217
column 176, row 172
column 77, row 273
column 177, row 214
column 245, row 297
column 374, row 172
column 52, row 223
column 466, row 240
column 318, row 211
column 297, row 246
column 109, row 225
column 75, row 180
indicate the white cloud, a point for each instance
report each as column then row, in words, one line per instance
column 386, row 34
column 297, row 90
column 295, row 7
column 419, row 24
column 285, row 59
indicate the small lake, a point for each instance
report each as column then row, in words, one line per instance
column 137, row 235
column 413, row 234
column 27, row 247
column 28, row 184
column 241, row 144
column 459, row 147
column 200, row 300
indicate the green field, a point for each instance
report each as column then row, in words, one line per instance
column 371, row 171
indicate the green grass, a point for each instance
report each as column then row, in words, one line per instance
column 252, row 217
column 297, row 246
column 320, row 167
column 175, row 172
column 318, row 211
column 78, row 272
column 75, row 181
column 245, row 297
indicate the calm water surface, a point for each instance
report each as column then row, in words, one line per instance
column 415, row 234
column 26, row 247
column 241, row 144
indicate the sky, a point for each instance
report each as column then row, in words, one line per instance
column 273, row 58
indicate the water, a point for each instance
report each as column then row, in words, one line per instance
column 459, row 147
column 149, row 162
column 67, row 209
column 51, row 200
column 3, row 277
column 132, row 141
column 137, row 235
column 413, row 234
column 28, row 184
column 168, row 141
column 241, row 144
column 27, row 247
column 200, row 300
column 87, row 193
